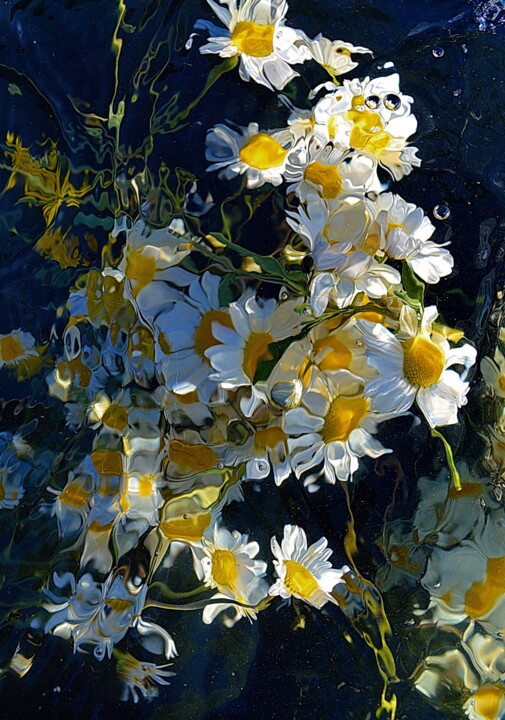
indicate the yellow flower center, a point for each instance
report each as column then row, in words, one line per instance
column 11, row 348
column 299, row 580
column 191, row 458
column 191, row 527
column 337, row 357
column 487, row 701
column 482, row 596
column 115, row 417
column 253, row 38
column 269, row 438
column 327, row 176
column 423, row 361
column 141, row 270
column 255, row 350
column 344, row 415
column 368, row 131
column 107, row 462
column 263, row 152
column 204, row 338
column 224, row 568
column 73, row 495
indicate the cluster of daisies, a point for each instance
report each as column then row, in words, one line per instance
column 188, row 394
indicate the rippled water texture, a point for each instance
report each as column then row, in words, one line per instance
column 104, row 111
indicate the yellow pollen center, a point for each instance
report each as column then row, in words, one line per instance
column 10, row 348
column 204, row 338
column 253, row 38
column 269, row 438
column 487, row 701
column 255, row 350
column 107, row 462
column 224, row 568
column 423, row 361
column 327, row 176
column 141, row 269
column 115, row 417
column 344, row 415
column 299, row 580
column 73, row 495
column 336, row 357
column 263, row 152
column 368, row 131
column 191, row 458
column 482, row 596
column 189, row 527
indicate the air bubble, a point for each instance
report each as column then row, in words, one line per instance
column 220, row 465
column 441, row 212
column 283, row 295
column 438, row 52
column 307, row 310
column 373, row 102
column 392, row 102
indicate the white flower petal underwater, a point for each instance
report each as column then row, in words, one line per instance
column 333, row 427
column 255, row 31
column 417, row 367
column 304, row 572
column 229, row 565
column 261, row 156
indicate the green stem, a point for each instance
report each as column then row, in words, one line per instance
column 450, row 459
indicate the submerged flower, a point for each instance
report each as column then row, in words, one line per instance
column 229, row 565
column 255, row 32
column 304, row 573
column 493, row 372
column 262, row 156
column 334, row 55
column 140, row 675
column 416, row 366
column 334, row 426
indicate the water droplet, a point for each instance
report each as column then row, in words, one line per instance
column 283, row 295
column 392, row 101
column 441, row 212
column 137, row 581
column 373, row 102
column 457, row 92
column 262, row 467
column 220, row 465
column 438, row 52
column 359, row 343
column 287, row 394
column 307, row 310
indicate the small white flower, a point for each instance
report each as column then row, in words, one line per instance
column 229, row 565
column 333, row 426
column 416, row 366
column 262, row 156
column 255, row 31
column 140, row 675
column 304, row 572
column 334, row 55
column 406, row 231
column 493, row 372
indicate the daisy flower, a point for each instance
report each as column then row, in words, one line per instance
column 333, row 426
column 255, row 32
column 229, row 565
column 334, row 55
column 416, row 366
column 406, row 231
column 304, row 572
column 374, row 118
column 261, row 156
column 256, row 323
column 140, row 675
column 148, row 254
column 486, row 703
column 340, row 276
column 330, row 172
column 344, row 222
column 18, row 350
column 184, row 333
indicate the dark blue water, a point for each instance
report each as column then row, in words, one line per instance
column 60, row 79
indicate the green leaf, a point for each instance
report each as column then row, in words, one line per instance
column 414, row 287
